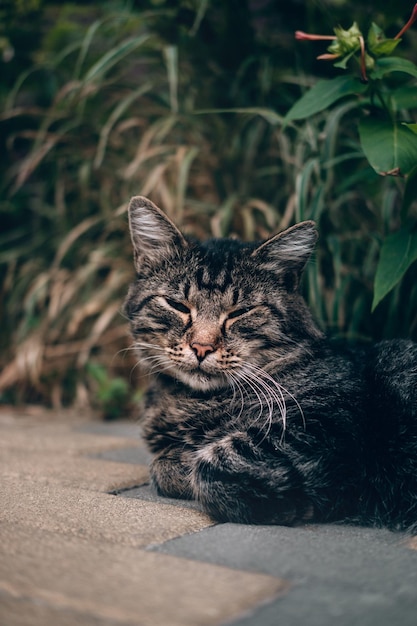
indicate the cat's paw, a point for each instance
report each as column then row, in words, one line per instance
column 236, row 481
column 171, row 479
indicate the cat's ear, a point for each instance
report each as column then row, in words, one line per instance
column 154, row 236
column 288, row 252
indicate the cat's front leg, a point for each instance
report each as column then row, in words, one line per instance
column 238, row 480
column 171, row 474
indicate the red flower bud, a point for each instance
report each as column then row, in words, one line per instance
column 299, row 34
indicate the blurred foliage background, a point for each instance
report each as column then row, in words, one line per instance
column 182, row 101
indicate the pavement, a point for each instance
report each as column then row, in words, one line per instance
column 85, row 542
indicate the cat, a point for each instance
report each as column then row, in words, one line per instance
column 252, row 411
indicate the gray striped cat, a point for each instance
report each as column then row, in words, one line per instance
column 251, row 410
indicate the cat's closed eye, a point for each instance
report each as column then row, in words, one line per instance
column 177, row 306
column 236, row 315
column 240, row 312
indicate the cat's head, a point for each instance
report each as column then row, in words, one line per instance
column 210, row 313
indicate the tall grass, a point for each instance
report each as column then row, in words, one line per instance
column 122, row 110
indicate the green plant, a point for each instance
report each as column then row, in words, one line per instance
column 387, row 132
column 111, row 395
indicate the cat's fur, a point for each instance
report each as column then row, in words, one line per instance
column 252, row 411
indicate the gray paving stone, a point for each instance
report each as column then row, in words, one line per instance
column 357, row 576
column 136, row 455
column 325, row 606
column 119, row 428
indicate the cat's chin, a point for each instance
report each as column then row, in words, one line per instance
column 200, row 381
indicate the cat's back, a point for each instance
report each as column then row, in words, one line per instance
column 391, row 376
column 390, row 464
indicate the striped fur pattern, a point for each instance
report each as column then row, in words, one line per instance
column 251, row 410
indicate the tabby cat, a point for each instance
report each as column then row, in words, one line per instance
column 251, row 410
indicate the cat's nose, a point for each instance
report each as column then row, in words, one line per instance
column 201, row 350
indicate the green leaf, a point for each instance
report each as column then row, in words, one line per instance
column 269, row 115
column 410, row 193
column 398, row 252
column 378, row 44
column 393, row 64
column 405, row 97
column 385, row 47
column 120, row 109
column 171, row 59
column 114, row 56
column 412, row 127
column 375, row 35
column 323, row 94
column 390, row 148
column 343, row 63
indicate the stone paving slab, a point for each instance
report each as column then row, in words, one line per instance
column 344, row 574
column 24, row 611
column 71, row 553
column 51, row 437
column 97, row 516
column 113, row 582
column 81, row 472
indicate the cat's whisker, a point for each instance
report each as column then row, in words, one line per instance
column 273, row 394
column 260, row 392
column 131, row 348
column 147, row 345
column 283, row 390
column 235, row 384
column 137, row 364
column 152, row 357
column 160, row 364
column 280, row 388
column 123, row 351
column 270, row 398
column 158, row 359
column 263, row 378
column 282, row 410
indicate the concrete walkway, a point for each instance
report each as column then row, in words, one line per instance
column 84, row 541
